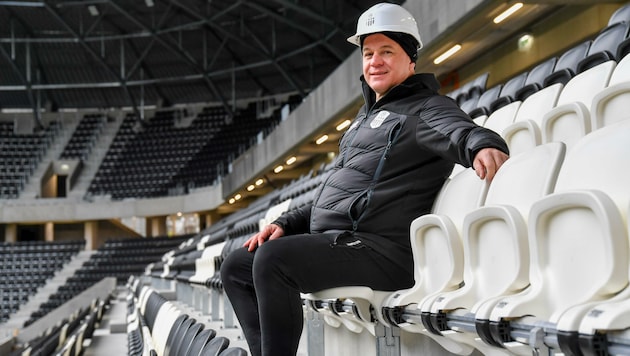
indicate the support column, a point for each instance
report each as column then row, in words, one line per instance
column 156, row 226
column 210, row 218
column 10, row 233
column 91, row 235
column 49, row 231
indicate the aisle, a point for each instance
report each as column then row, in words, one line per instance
column 110, row 337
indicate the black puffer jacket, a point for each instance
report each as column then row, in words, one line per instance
column 392, row 162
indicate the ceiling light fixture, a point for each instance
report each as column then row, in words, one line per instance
column 507, row 13
column 343, row 125
column 93, row 10
column 444, row 56
column 260, row 181
column 278, row 169
column 291, row 160
column 251, row 187
column 238, row 197
column 321, row 140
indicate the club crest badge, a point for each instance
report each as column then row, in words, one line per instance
column 378, row 120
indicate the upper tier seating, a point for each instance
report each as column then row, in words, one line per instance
column 19, row 156
column 160, row 158
column 84, row 137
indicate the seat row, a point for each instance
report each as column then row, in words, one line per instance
column 69, row 336
column 167, row 331
column 610, row 44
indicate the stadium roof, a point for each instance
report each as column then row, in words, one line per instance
column 117, row 53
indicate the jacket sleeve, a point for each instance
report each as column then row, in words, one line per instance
column 295, row 221
column 449, row 132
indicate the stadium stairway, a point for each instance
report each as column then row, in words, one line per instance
column 91, row 165
column 110, row 336
column 24, row 313
column 31, row 190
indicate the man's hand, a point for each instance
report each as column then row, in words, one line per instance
column 488, row 161
column 269, row 232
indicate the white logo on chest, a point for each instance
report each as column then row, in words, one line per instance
column 378, row 120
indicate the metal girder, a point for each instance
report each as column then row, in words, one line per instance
column 100, row 60
column 181, row 53
column 27, row 84
column 27, row 81
column 120, row 21
column 305, row 30
column 218, row 28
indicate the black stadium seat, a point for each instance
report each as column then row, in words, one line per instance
column 566, row 66
column 535, row 78
column 508, row 91
column 485, row 100
column 604, row 46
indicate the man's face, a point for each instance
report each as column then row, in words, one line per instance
column 385, row 63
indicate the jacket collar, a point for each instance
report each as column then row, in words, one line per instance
column 411, row 85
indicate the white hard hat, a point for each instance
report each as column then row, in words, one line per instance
column 385, row 17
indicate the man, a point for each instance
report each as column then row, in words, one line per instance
column 392, row 162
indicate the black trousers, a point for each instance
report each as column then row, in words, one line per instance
column 264, row 286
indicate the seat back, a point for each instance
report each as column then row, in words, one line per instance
column 274, row 212
column 478, row 85
column 525, row 133
column 167, row 322
column 583, row 87
column 585, row 221
column 436, row 238
column 200, row 341
column 566, row 66
column 485, row 100
column 611, row 104
column 535, row 78
column 215, row 346
column 622, row 14
column 604, row 46
column 502, row 117
column 462, row 193
column 508, row 91
column 496, row 252
column 205, row 266
column 188, row 338
column 534, row 173
column 571, row 120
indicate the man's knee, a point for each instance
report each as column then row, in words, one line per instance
column 268, row 259
column 235, row 263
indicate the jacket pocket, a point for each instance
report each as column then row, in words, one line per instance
column 358, row 205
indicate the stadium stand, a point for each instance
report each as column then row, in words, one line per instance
column 19, row 156
column 26, row 268
column 84, row 137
